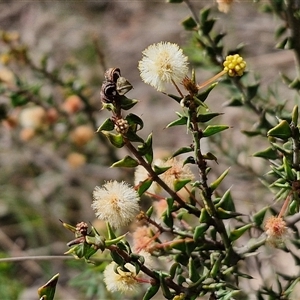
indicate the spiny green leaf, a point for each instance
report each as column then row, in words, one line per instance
column 238, row 232
column 47, row 291
column 189, row 23
column 107, row 125
column 269, row 153
column 126, row 162
column 203, row 95
column 217, row 182
column 144, row 186
column 207, row 117
column 193, row 271
column 282, row 130
column 182, row 150
column 127, row 103
column 213, row 129
column 115, row 139
column 180, row 183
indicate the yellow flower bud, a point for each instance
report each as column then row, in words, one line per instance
column 234, row 65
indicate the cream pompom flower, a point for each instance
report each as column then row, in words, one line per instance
column 163, row 63
column 118, row 280
column 116, row 202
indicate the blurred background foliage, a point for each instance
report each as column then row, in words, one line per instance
column 53, row 56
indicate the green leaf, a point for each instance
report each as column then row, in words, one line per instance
column 238, row 232
column 181, row 121
column 135, row 120
column 144, row 186
column 252, row 91
column 127, row 103
column 207, row 117
column 133, row 137
column 226, row 202
column 149, row 212
column 164, row 288
column 174, row 97
column 258, row 218
column 199, row 231
column 213, row 129
column 282, row 44
column 234, row 101
column 203, row 95
column 288, row 170
column 180, row 183
column 207, row 26
column 295, row 84
column 282, row 130
column 111, row 234
column 17, row 99
column 160, row 170
column 280, row 31
column 115, row 139
column 295, row 115
column 107, row 125
column 189, row 23
column 193, row 271
column 269, row 153
column 204, row 13
column 146, row 149
column 126, row 162
column 151, row 291
column 217, row 182
column 182, row 150
column 47, row 291
column 204, row 216
column 227, row 214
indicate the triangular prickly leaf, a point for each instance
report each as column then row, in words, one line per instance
column 151, row 291
column 193, row 271
column 144, row 186
column 288, row 169
column 258, row 218
column 234, row 101
column 203, row 95
column 182, row 150
column 199, row 231
column 207, row 117
column 226, row 202
column 160, row 170
column 107, row 125
column 252, row 91
column 213, row 129
column 269, row 153
column 282, row 130
column 115, row 139
column 204, row 216
column 146, row 149
column 126, row 162
column 217, row 182
column 133, row 137
column 180, row 183
column 189, row 23
column 110, row 232
column 238, row 232
column 135, row 120
column 181, row 121
column 227, row 214
column 47, row 291
column 174, row 97
column 127, row 103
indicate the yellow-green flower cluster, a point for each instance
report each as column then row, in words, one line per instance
column 234, row 65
